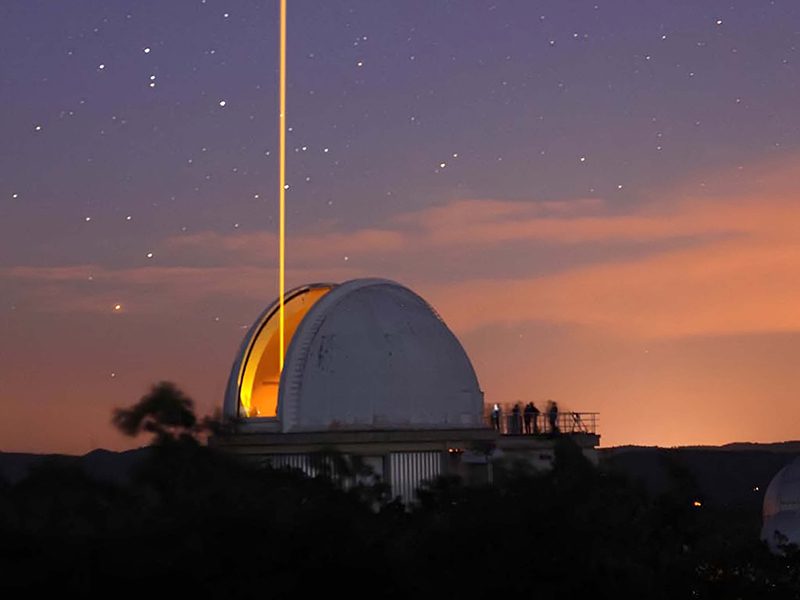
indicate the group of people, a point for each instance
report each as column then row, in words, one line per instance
column 527, row 417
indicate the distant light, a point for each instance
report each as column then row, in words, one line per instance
column 442, row 165
column 101, row 66
column 697, row 503
column 149, row 255
column 118, row 307
column 146, row 50
column 222, row 103
column 719, row 21
column 87, row 219
column 360, row 63
column 755, row 488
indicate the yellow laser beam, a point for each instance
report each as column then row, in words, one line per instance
column 282, row 191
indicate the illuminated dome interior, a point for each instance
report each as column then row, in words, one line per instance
column 260, row 375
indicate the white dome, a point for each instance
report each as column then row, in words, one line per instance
column 782, row 506
column 370, row 354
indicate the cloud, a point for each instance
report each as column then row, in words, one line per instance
column 716, row 289
column 305, row 248
column 699, row 264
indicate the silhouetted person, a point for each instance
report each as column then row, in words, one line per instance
column 535, row 418
column 516, row 420
column 496, row 414
column 552, row 416
column 527, row 416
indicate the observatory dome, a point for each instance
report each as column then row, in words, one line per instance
column 367, row 354
column 782, row 507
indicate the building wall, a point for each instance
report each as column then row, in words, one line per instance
column 409, row 470
column 404, row 471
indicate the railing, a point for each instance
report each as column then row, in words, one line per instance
column 511, row 422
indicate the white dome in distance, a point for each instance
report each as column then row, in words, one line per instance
column 782, row 508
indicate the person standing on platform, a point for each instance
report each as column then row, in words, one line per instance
column 535, row 412
column 496, row 415
column 516, row 419
column 527, row 416
column 552, row 416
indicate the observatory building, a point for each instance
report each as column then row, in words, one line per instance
column 782, row 508
column 371, row 370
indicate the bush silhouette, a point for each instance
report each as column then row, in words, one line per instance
column 165, row 411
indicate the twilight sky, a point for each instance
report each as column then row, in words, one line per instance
column 600, row 198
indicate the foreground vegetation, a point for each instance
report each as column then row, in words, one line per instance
column 194, row 522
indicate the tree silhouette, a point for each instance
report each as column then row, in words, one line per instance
column 164, row 411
